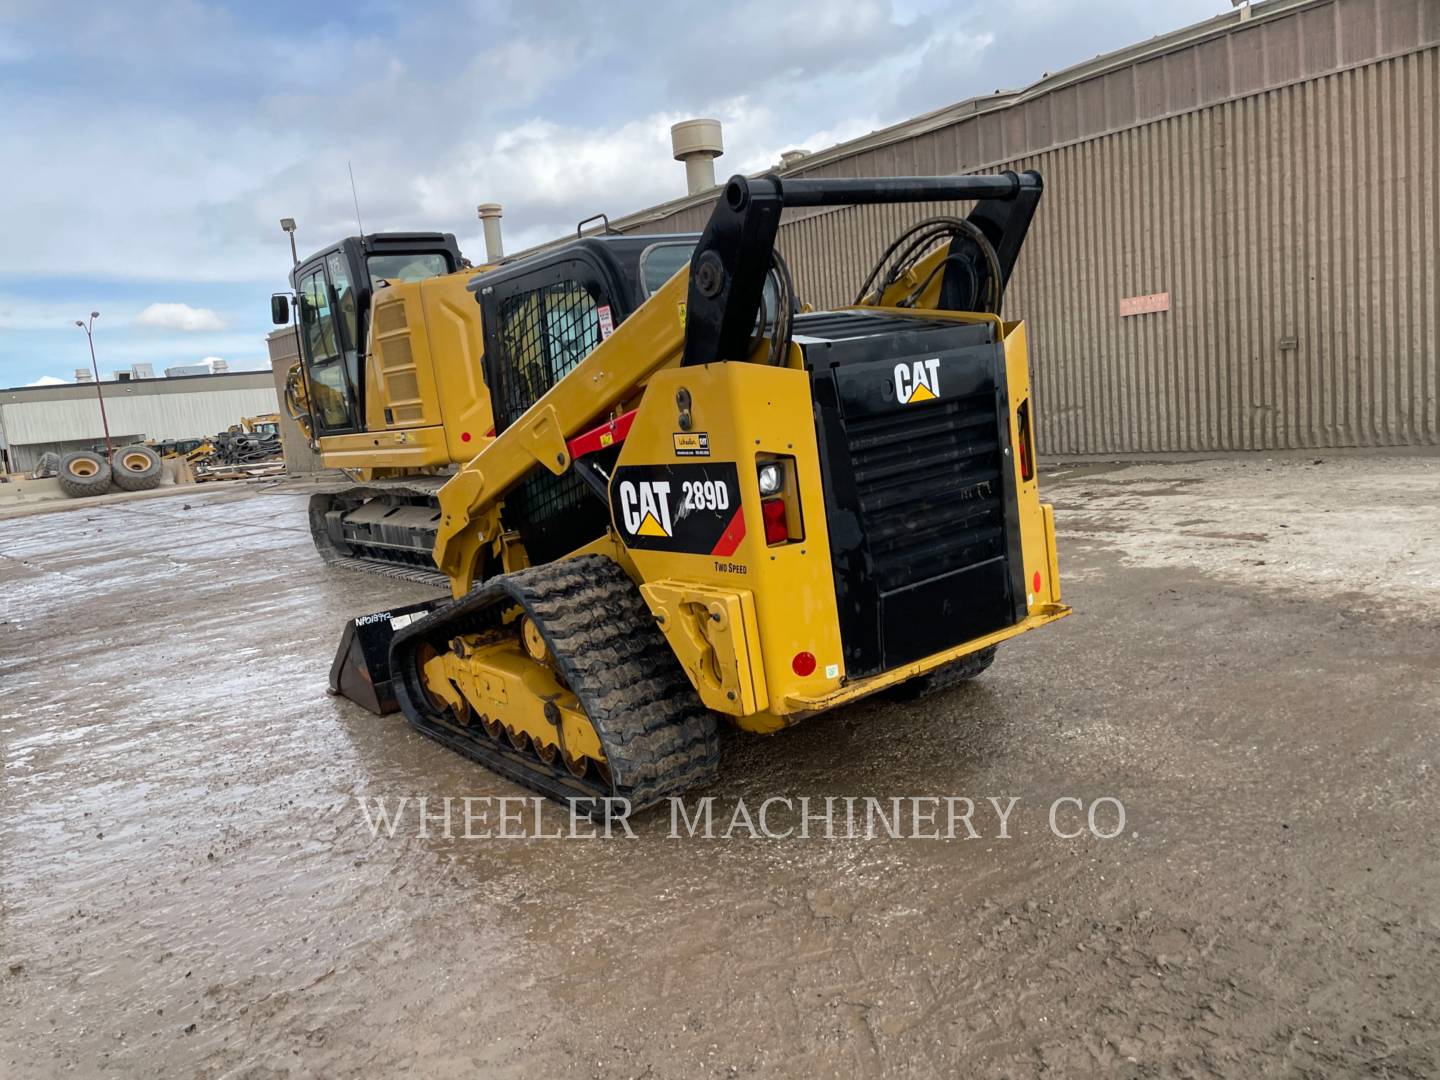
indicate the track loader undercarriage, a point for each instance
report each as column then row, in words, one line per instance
column 520, row 675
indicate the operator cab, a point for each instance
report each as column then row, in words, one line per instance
column 333, row 289
column 541, row 316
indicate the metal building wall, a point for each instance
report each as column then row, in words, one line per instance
column 36, row 419
column 1296, row 232
column 24, row 459
column 300, row 459
column 1279, row 177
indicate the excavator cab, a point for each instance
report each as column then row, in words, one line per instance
column 333, row 292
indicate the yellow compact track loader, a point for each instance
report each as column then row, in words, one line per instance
column 663, row 493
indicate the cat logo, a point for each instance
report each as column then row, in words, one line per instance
column 645, row 507
column 917, row 381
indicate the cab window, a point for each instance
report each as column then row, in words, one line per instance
column 345, row 300
column 348, row 314
column 545, row 333
column 331, row 390
column 402, row 268
column 659, row 262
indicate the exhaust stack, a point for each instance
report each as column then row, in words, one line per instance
column 697, row 143
column 490, row 219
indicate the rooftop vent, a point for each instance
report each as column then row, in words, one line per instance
column 490, row 220
column 697, row 143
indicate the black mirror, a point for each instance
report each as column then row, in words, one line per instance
column 280, row 309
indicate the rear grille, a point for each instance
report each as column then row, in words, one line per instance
column 920, row 505
column 928, row 487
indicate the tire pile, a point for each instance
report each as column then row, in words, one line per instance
column 131, row 468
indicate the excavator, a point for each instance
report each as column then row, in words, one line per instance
column 664, row 493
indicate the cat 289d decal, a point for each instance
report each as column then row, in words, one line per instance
column 687, row 508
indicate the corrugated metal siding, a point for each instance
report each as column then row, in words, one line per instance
column 1296, row 232
column 1288, row 203
column 24, row 459
column 160, row 416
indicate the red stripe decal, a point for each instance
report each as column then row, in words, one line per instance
column 607, row 434
column 733, row 534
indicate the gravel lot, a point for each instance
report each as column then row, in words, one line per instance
column 188, row 886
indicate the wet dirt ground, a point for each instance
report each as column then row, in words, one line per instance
column 189, row 887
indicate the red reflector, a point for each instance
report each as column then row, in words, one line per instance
column 776, row 532
column 803, row 664
column 1035, row 583
column 464, row 436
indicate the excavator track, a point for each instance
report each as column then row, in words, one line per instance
column 408, row 566
column 658, row 739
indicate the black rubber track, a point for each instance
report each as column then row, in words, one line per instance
column 659, row 738
column 945, row 678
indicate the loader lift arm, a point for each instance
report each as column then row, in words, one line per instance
column 730, row 264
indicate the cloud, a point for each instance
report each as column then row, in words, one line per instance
column 24, row 313
column 556, row 110
column 560, row 111
column 180, row 317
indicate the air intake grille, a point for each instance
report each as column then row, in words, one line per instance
column 928, row 485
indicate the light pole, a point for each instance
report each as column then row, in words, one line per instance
column 95, row 367
column 288, row 224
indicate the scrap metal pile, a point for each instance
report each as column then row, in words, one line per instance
column 251, row 448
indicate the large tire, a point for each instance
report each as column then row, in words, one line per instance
column 47, row 466
column 84, row 473
column 136, row 468
column 944, row 678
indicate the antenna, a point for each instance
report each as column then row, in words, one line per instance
column 354, row 195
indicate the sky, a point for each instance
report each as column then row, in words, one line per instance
column 152, row 146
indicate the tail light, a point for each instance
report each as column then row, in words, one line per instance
column 773, row 512
column 779, row 499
